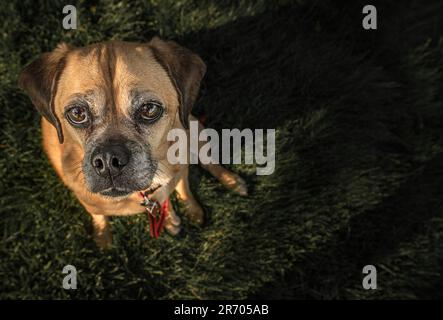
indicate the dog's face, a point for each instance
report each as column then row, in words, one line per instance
column 117, row 101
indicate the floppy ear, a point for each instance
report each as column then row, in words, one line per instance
column 40, row 79
column 186, row 70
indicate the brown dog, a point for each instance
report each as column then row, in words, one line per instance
column 107, row 109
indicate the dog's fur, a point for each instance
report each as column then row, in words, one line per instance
column 112, row 80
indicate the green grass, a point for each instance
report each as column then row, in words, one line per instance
column 359, row 165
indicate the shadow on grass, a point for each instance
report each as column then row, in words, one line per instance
column 371, row 238
column 266, row 70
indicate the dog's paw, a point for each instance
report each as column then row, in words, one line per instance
column 234, row 182
column 172, row 230
column 173, row 224
column 195, row 213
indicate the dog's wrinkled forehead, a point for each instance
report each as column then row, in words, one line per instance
column 106, row 74
column 110, row 75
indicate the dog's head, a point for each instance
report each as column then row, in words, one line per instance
column 117, row 101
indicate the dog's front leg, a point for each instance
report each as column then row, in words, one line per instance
column 172, row 221
column 192, row 208
column 228, row 178
column 102, row 231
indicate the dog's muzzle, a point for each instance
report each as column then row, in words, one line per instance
column 117, row 168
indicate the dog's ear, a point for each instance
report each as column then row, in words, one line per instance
column 40, row 79
column 186, row 70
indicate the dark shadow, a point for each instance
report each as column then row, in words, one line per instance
column 268, row 70
column 369, row 238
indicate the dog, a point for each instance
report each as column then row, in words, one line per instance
column 106, row 111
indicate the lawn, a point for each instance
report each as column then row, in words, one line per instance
column 359, row 155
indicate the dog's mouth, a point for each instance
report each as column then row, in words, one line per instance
column 123, row 192
column 116, row 192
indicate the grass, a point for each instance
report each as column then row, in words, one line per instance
column 359, row 168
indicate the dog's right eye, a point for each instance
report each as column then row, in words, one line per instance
column 77, row 115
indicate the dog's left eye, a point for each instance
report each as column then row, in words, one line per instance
column 151, row 111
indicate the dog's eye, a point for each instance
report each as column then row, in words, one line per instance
column 77, row 115
column 151, row 111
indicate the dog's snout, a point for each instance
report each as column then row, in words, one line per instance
column 115, row 166
column 110, row 160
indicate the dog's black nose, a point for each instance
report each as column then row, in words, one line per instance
column 110, row 160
